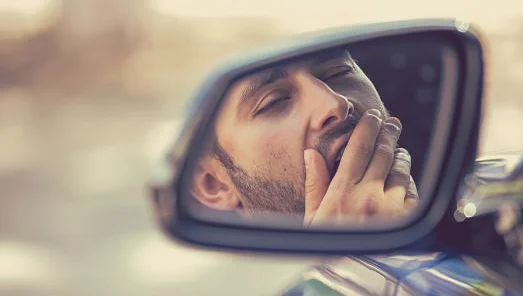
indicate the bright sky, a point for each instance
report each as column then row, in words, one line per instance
column 24, row 6
column 317, row 14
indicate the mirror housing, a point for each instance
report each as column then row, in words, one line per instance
column 455, row 149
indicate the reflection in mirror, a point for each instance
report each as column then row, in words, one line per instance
column 336, row 137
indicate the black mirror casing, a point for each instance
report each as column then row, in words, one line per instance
column 455, row 144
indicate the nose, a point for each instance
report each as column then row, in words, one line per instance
column 329, row 107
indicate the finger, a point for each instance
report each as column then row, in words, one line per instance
column 398, row 180
column 316, row 182
column 383, row 157
column 411, row 204
column 399, row 174
column 358, row 151
column 412, row 198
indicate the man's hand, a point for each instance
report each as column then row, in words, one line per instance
column 373, row 178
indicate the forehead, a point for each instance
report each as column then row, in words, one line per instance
column 312, row 63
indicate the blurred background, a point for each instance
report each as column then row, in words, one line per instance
column 90, row 91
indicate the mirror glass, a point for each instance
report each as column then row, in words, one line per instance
column 336, row 137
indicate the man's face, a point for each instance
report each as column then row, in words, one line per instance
column 269, row 118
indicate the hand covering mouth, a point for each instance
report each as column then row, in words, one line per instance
column 344, row 130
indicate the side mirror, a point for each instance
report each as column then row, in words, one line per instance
column 385, row 115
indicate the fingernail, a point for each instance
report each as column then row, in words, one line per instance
column 392, row 127
column 394, row 121
column 399, row 151
column 306, row 158
column 402, row 156
column 402, row 150
column 374, row 112
column 375, row 115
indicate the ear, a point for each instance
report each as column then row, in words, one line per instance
column 212, row 186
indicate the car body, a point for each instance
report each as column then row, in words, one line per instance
column 439, row 273
column 401, row 274
column 479, row 223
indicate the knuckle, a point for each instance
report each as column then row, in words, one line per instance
column 310, row 187
column 412, row 191
column 412, row 196
column 402, row 157
column 383, row 148
column 399, row 174
column 363, row 149
column 395, row 121
column 372, row 203
column 401, row 168
column 390, row 130
column 401, row 163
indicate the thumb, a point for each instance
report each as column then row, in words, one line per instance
column 316, row 182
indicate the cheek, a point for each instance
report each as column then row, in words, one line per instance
column 275, row 152
column 282, row 162
column 368, row 99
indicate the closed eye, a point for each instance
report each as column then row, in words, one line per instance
column 274, row 102
column 336, row 73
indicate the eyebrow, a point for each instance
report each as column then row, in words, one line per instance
column 261, row 80
column 333, row 56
